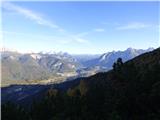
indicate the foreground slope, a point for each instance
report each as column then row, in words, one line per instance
column 131, row 91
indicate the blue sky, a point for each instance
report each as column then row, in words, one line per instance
column 80, row 27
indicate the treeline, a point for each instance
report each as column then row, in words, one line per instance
column 131, row 91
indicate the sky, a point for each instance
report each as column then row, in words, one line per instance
column 80, row 27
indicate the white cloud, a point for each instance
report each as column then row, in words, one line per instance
column 83, row 34
column 77, row 40
column 99, row 30
column 64, row 39
column 37, row 18
column 29, row 14
column 134, row 25
column 80, row 40
column 61, row 30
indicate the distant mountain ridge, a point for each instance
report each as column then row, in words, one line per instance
column 35, row 66
column 19, row 67
column 106, row 60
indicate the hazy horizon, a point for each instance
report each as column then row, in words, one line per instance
column 58, row 52
column 75, row 28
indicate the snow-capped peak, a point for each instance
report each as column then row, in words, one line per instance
column 35, row 56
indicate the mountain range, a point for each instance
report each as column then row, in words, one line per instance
column 19, row 68
column 106, row 60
